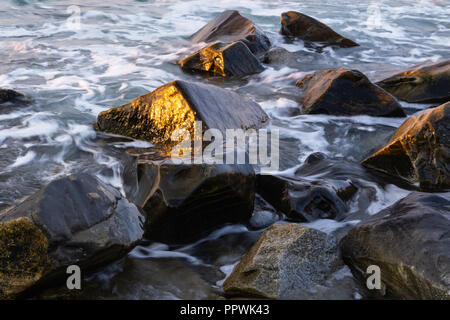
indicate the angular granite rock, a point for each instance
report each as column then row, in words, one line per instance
column 184, row 202
column 220, row 59
column 346, row 92
column 419, row 150
column 230, row 26
column 426, row 82
column 75, row 220
column 177, row 105
column 290, row 262
column 410, row 242
column 303, row 200
column 296, row 24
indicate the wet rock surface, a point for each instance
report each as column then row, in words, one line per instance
column 426, row 82
column 183, row 203
column 7, row 95
column 222, row 59
column 291, row 262
column 346, row 92
column 230, row 26
column 410, row 243
column 177, row 105
column 296, row 24
column 73, row 220
column 419, row 150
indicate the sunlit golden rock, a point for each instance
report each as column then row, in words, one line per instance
column 346, row 92
column 230, row 26
column 296, row 24
column 426, row 82
column 419, row 150
column 177, row 105
column 224, row 60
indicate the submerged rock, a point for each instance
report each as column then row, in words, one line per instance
column 7, row 95
column 296, row 24
column 426, row 82
column 76, row 220
column 224, row 60
column 177, row 105
column 230, row 26
column 302, row 200
column 291, row 262
column 346, row 92
column 410, row 242
column 185, row 202
column 419, row 150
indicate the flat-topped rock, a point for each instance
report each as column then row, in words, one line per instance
column 426, row 82
column 419, row 150
column 346, row 92
column 222, row 59
column 177, row 105
column 230, row 26
column 299, row 25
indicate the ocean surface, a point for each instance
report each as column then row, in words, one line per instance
column 122, row 49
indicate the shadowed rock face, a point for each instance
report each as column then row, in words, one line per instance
column 184, row 202
column 419, row 150
column 410, row 242
column 426, row 82
column 74, row 220
column 177, row 105
column 346, row 92
column 289, row 262
column 305, row 201
column 224, row 60
column 296, row 24
column 230, row 26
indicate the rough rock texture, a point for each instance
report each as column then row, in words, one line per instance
column 230, row 26
column 302, row 200
column 296, row 24
column 224, row 60
column 346, row 92
column 410, row 242
column 419, row 150
column 9, row 95
column 73, row 220
column 426, row 82
column 288, row 262
column 184, row 202
column 177, row 105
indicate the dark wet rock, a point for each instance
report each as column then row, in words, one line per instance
column 296, row 24
column 184, row 202
column 177, row 105
column 8, row 95
column 230, row 26
column 346, row 92
column 419, row 150
column 426, row 82
column 302, row 200
column 73, row 220
column 410, row 242
column 291, row 262
column 220, row 59
column 315, row 157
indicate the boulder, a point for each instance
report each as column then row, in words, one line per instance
column 230, row 26
column 410, row 243
column 346, row 92
column 184, row 202
column 290, row 262
column 75, row 220
column 299, row 25
column 220, row 59
column 303, row 200
column 426, row 82
column 177, row 105
column 419, row 150
column 7, row 95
